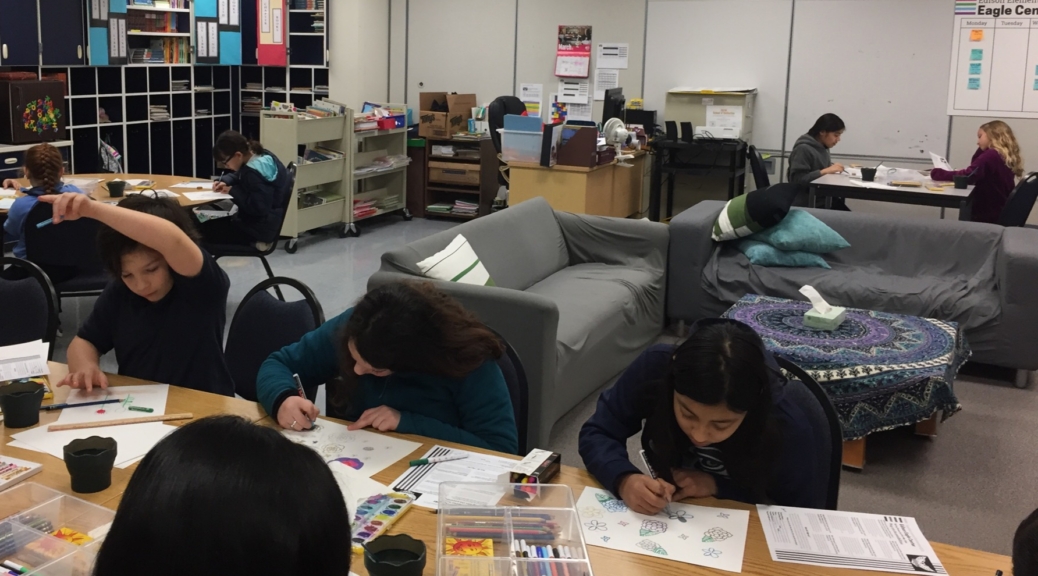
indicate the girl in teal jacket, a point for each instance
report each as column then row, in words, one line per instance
column 406, row 358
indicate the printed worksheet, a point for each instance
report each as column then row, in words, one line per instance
column 367, row 452
column 425, row 480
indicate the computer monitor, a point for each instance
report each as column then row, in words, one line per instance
column 613, row 107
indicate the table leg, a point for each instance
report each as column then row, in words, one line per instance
column 854, row 454
column 928, row 427
column 670, row 196
column 810, row 196
column 942, row 212
column 655, row 185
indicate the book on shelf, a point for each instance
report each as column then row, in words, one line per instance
column 320, row 154
column 257, row 86
column 142, row 2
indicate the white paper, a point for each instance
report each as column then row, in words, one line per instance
column 95, row 9
column 113, row 39
column 6, row 203
column 605, row 79
column 939, row 162
column 203, row 39
column 195, row 185
column 133, row 440
column 82, row 182
column 711, row 537
column 613, row 55
column 847, row 540
column 425, row 480
column 155, row 193
column 201, row 196
column 104, row 9
column 222, row 10
column 818, row 304
column 724, row 117
column 11, row 193
column 264, row 16
column 367, row 452
column 574, row 91
column 276, row 17
column 145, row 396
column 531, row 92
column 355, row 487
column 122, row 37
column 572, row 66
column 214, row 40
column 23, row 360
column 873, row 185
column 579, row 111
column 233, row 18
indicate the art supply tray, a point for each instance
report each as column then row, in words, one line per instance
column 479, row 537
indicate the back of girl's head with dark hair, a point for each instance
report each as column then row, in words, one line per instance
column 721, row 363
column 229, row 142
column 113, row 245
column 44, row 165
column 1025, row 547
column 415, row 327
column 827, row 123
column 225, row 496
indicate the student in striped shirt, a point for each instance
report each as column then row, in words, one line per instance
column 407, row 358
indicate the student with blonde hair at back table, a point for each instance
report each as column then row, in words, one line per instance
column 993, row 170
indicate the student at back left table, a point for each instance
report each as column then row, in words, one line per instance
column 164, row 311
column 43, row 168
column 408, row 358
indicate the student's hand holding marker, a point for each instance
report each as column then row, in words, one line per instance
column 297, row 413
column 85, row 379
column 383, row 419
column 694, row 484
column 645, row 495
column 68, row 206
column 834, row 169
column 221, row 187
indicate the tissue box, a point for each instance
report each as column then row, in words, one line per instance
column 538, row 467
column 831, row 320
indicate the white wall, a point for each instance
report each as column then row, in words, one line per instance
column 359, row 51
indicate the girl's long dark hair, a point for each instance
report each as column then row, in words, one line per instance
column 827, row 122
column 412, row 327
column 722, row 363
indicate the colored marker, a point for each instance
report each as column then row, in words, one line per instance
column 302, row 394
column 17, row 568
column 652, row 473
column 45, row 222
column 141, row 409
column 437, row 459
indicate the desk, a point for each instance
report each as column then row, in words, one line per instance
column 667, row 161
column 422, row 523
column 161, row 182
column 839, row 185
column 606, row 190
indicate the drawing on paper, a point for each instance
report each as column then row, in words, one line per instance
column 590, row 512
column 716, row 535
column 652, row 528
column 683, row 536
column 652, row 547
column 605, row 538
column 711, row 553
column 351, row 462
column 622, row 523
column 678, row 515
column 596, row 526
column 722, row 515
column 609, row 503
column 358, row 449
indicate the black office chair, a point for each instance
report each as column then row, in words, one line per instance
column 249, row 251
column 31, row 304
column 811, row 397
column 496, row 112
column 760, row 174
column 66, row 252
column 518, row 388
column 1021, row 201
column 263, row 325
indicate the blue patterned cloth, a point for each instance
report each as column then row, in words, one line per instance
column 880, row 370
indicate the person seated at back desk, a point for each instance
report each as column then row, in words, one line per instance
column 993, row 171
column 810, row 159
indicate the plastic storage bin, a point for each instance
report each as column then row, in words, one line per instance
column 30, row 548
column 25, row 496
column 480, row 523
column 519, row 146
column 79, row 563
column 71, row 519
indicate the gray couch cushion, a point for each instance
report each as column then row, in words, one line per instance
column 519, row 246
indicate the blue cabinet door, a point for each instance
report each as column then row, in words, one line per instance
column 62, row 32
column 19, row 35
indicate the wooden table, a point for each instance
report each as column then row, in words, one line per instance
column 422, row 524
column 606, row 190
column 161, row 182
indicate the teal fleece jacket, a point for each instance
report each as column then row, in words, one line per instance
column 476, row 410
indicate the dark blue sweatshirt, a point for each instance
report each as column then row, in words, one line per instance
column 623, row 408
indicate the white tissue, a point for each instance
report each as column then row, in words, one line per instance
column 819, row 305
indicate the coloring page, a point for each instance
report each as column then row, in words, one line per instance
column 367, row 452
column 711, row 537
column 151, row 396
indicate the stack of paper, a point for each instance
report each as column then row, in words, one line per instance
column 23, row 360
column 478, row 468
column 464, row 208
column 440, row 208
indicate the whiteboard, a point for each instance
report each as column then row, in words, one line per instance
column 707, row 43
column 464, row 46
column 881, row 65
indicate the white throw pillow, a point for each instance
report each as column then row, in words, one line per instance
column 456, row 263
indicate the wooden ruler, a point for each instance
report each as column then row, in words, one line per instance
column 120, row 422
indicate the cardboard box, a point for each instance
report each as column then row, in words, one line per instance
column 444, row 124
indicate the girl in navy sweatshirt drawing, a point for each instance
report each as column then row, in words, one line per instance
column 716, row 423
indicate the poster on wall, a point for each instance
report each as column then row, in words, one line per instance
column 270, row 33
column 573, row 53
column 531, row 95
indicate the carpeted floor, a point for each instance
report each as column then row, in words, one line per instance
column 969, row 486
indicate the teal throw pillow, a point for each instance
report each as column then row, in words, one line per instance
column 761, row 254
column 799, row 230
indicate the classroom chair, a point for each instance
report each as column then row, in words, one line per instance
column 249, row 251
column 1021, row 201
column 811, row 397
column 518, row 388
column 263, row 325
column 32, row 310
column 496, row 112
column 67, row 253
column 760, row 173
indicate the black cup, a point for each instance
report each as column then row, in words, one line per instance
column 397, row 555
column 116, row 188
column 961, row 182
column 20, row 402
column 89, row 462
column 868, row 174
